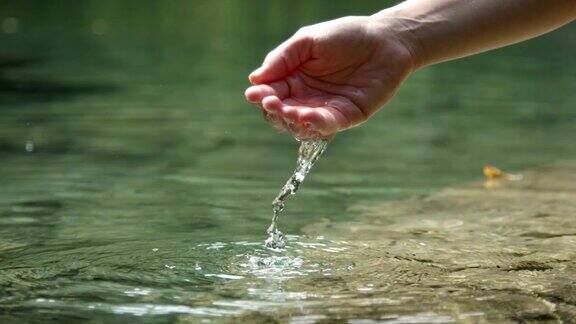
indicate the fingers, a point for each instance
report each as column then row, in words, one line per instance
column 304, row 122
column 272, row 104
column 283, row 60
column 348, row 101
column 256, row 93
column 325, row 121
column 272, row 109
column 274, row 120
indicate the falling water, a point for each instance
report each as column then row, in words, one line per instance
column 308, row 154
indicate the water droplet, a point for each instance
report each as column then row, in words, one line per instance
column 29, row 146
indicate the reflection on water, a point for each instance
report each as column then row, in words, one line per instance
column 41, row 89
column 135, row 182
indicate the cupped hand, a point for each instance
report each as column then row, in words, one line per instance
column 330, row 77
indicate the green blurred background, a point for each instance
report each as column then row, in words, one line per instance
column 125, row 121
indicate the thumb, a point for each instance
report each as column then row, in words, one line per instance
column 283, row 60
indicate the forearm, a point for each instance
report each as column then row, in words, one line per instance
column 441, row 30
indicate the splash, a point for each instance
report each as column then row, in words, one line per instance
column 308, row 154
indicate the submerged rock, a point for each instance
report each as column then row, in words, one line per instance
column 505, row 254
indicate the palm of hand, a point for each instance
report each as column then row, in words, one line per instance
column 345, row 76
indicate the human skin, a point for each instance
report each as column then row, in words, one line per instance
column 334, row 75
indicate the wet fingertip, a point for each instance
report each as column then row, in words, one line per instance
column 310, row 131
column 332, row 122
column 290, row 114
column 272, row 104
column 251, row 95
column 312, row 118
column 318, row 124
column 294, row 127
column 268, row 100
column 274, row 120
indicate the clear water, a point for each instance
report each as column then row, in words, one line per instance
column 135, row 182
column 308, row 153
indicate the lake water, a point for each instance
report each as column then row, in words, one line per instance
column 136, row 182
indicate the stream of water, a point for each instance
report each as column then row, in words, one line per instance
column 308, row 154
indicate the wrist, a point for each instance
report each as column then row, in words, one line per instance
column 395, row 25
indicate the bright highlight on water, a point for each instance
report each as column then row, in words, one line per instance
column 308, row 154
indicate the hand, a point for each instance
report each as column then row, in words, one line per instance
column 330, row 77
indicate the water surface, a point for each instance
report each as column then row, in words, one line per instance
column 135, row 182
